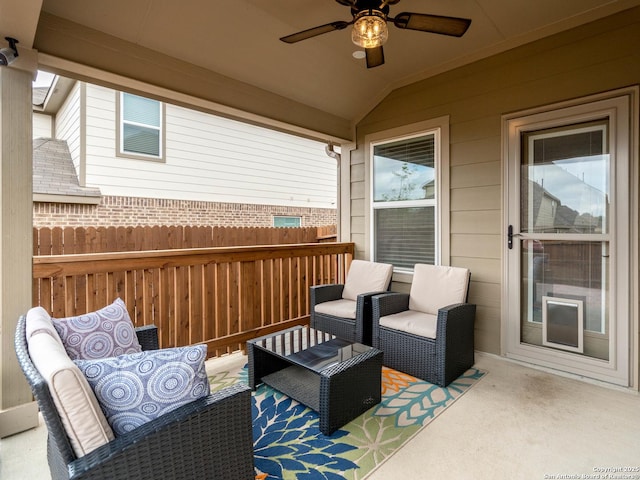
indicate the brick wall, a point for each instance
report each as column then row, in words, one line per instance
column 133, row 211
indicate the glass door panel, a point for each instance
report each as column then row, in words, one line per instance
column 564, row 249
column 566, row 270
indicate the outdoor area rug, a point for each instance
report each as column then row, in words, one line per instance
column 288, row 444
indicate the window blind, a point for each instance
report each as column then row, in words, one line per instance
column 405, row 236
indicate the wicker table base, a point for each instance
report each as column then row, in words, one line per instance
column 338, row 379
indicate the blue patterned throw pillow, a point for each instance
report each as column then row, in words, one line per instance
column 107, row 332
column 133, row 389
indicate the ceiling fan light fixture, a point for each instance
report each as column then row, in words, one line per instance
column 370, row 29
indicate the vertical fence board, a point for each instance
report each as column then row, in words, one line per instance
column 181, row 319
column 278, row 289
column 81, row 244
column 58, row 291
column 45, row 294
column 210, row 314
column 89, row 240
column 101, row 291
column 36, row 242
column 138, row 292
column 222, row 325
column 196, row 294
column 233, row 320
column 294, row 275
column 130, row 299
column 80, row 293
column 266, row 285
column 162, row 318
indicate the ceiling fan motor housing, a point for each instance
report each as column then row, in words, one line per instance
column 361, row 6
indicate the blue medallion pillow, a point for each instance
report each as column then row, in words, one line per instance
column 107, row 332
column 136, row 388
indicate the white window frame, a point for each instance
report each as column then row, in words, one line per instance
column 297, row 217
column 120, row 135
column 440, row 127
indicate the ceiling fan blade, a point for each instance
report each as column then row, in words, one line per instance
column 375, row 56
column 312, row 32
column 454, row 26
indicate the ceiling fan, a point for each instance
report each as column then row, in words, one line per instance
column 370, row 31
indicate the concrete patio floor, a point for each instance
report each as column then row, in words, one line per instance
column 517, row 423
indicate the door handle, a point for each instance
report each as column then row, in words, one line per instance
column 510, row 236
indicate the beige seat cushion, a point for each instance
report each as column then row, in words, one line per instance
column 365, row 277
column 338, row 308
column 416, row 323
column 82, row 418
column 434, row 287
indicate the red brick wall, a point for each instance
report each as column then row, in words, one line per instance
column 132, row 211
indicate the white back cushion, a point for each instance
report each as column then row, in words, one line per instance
column 83, row 420
column 365, row 277
column 436, row 286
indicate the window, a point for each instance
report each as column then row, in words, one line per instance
column 405, row 200
column 287, row 221
column 140, row 132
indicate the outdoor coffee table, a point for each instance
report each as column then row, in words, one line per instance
column 337, row 378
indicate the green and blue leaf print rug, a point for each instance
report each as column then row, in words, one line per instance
column 288, row 444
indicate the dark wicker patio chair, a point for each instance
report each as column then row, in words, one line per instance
column 344, row 310
column 428, row 333
column 208, row 438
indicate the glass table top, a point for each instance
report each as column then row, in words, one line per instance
column 310, row 348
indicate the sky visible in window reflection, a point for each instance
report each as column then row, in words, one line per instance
column 580, row 183
column 397, row 180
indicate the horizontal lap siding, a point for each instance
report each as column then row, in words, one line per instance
column 209, row 158
column 68, row 124
column 590, row 59
column 42, row 125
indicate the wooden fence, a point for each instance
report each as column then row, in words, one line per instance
column 220, row 296
column 73, row 240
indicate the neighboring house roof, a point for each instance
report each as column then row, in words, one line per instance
column 39, row 95
column 54, row 176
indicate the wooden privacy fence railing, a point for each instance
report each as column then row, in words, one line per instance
column 220, row 296
column 72, row 240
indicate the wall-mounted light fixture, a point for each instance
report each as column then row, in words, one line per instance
column 8, row 55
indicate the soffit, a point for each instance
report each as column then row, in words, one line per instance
column 238, row 41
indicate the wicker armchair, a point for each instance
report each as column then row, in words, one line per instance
column 208, row 438
column 428, row 333
column 344, row 310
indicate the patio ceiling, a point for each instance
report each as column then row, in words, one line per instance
column 228, row 52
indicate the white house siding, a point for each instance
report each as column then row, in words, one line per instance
column 42, row 125
column 68, row 124
column 594, row 58
column 209, row 158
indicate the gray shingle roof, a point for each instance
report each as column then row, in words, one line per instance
column 39, row 95
column 53, row 170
